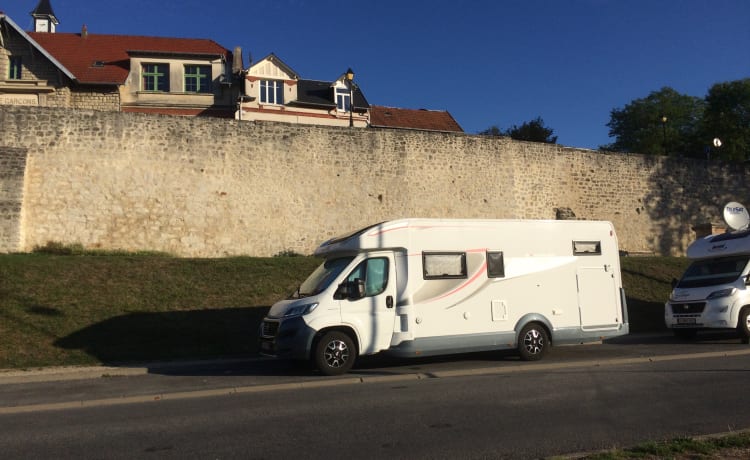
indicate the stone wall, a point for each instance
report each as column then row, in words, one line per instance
column 211, row 187
column 12, row 171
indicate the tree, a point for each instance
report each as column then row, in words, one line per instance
column 532, row 131
column 727, row 117
column 664, row 123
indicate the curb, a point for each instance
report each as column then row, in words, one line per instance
column 65, row 373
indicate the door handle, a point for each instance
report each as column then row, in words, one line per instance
column 389, row 302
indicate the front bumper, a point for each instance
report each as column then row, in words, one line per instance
column 286, row 338
column 715, row 314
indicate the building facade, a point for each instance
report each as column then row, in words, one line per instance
column 113, row 72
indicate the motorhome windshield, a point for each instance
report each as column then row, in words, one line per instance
column 322, row 277
column 711, row 272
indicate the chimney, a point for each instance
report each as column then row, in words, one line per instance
column 237, row 61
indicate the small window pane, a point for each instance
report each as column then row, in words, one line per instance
column 581, row 248
column 444, row 265
column 495, row 265
column 15, row 68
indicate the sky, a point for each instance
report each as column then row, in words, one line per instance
column 487, row 62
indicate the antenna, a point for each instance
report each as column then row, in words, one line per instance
column 736, row 216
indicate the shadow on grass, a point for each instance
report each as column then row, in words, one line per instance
column 226, row 333
column 170, row 336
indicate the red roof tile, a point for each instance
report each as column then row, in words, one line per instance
column 432, row 120
column 78, row 53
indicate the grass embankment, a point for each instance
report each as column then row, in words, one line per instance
column 84, row 308
column 87, row 309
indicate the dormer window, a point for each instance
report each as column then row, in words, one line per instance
column 197, row 79
column 155, row 77
column 343, row 99
column 272, row 92
column 15, row 67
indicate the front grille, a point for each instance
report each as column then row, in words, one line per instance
column 688, row 308
column 270, row 328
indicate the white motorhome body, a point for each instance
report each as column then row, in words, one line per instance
column 416, row 287
column 713, row 292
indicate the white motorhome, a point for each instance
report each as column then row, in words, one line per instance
column 418, row 287
column 713, row 292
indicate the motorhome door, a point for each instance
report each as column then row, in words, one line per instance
column 597, row 297
column 373, row 315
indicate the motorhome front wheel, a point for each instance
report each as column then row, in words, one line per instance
column 334, row 353
column 744, row 325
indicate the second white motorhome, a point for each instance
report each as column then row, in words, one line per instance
column 713, row 292
column 418, row 287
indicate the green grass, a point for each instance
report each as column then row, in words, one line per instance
column 104, row 308
column 736, row 445
column 66, row 306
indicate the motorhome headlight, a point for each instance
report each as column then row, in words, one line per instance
column 719, row 294
column 299, row 310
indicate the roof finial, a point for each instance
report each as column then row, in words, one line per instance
column 84, row 31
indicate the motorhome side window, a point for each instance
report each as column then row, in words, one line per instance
column 440, row 265
column 587, row 248
column 374, row 272
column 495, row 264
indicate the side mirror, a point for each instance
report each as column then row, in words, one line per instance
column 674, row 282
column 351, row 290
column 747, row 280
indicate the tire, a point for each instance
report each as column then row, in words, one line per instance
column 334, row 353
column 685, row 334
column 533, row 342
column 743, row 325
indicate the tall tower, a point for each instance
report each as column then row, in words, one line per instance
column 44, row 17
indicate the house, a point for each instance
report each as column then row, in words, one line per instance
column 275, row 92
column 113, row 72
column 425, row 120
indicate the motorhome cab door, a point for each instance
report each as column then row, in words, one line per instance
column 373, row 315
column 597, row 297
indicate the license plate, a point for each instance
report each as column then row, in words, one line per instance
column 685, row 320
column 265, row 346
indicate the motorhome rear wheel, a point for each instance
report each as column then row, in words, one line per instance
column 533, row 342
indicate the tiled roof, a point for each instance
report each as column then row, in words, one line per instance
column 78, row 53
column 431, row 120
column 320, row 93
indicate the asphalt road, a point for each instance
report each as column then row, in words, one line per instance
column 486, row 405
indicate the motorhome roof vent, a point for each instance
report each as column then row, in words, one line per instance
column 736, row 216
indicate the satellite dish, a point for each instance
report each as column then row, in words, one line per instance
column 736, row 216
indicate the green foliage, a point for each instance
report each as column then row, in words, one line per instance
column 532, row 131
column 664, row 123
column 727, row 117
column 669, row 123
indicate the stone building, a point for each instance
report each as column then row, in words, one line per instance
column 113, row 72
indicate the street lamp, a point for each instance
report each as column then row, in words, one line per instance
column 664, row 133
column 350, row 81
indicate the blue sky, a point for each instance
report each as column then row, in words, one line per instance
column 488, row 62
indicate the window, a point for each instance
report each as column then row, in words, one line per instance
column 374, row 272
column 495, row 264
column 197, row 79
column 15, row 68
column 155, row 77
column 587, row 248
column 440, row 265
column 343, row 99
column 272, row 92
